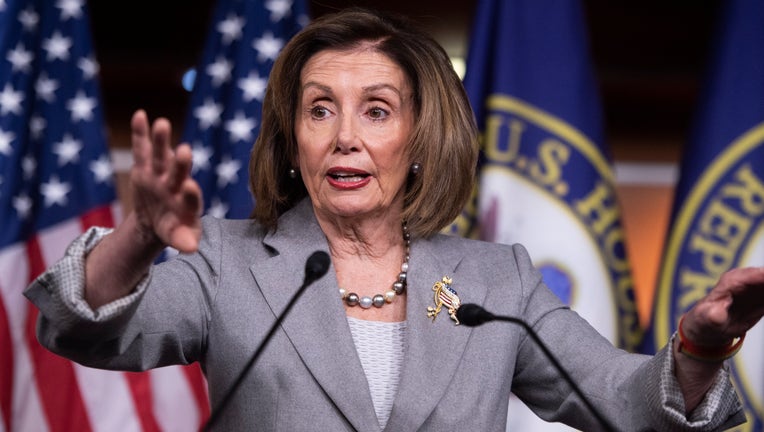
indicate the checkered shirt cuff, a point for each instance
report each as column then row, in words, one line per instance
column 66, row 280
column 710, row 414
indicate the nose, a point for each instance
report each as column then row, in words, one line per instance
column 348, row 139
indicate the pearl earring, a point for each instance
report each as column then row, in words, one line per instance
column 292, row 173
column 415, row 168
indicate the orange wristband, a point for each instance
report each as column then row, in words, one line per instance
column 707, row 354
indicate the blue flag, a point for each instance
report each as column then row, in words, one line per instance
column 223, row 119
column 545, row 172
column 546, row 179
column 719, row 201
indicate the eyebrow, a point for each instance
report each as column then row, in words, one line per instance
column 375, row 87
column 315, row 84
column 368, row 89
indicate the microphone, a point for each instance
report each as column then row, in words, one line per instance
column 315, row 267
column 473, row 315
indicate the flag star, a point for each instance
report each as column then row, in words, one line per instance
column 200, row 155
column 10, row 100
column 37, row 126
column 217, row 208
column 228, row 171
column 278, row 9
column 81, row 107
column 28, row 166
column 220, row 71
column 45, row 88
column 6, row 138
column 89, row 67
column 57, row 47
column 230, row 28
column 240, row 127
column 69, row 9
column 54, row 192
column 253, row 87
column 19, row 58
column 102, row 169
column 68, row 150
column 267, row 47
column 29, row 19
column 23, row 205
column 208, row 114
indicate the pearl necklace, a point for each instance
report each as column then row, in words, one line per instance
column 399, row 286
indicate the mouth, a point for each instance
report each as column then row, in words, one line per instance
column 347, row 177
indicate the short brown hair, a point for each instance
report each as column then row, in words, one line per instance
column 444, row 140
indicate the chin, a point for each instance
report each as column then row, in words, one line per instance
column 355, row 209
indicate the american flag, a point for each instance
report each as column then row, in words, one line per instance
column 223, row 119
column 448, row 296
column 56, row 179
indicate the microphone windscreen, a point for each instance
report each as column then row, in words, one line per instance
column 316, row 266
column 472, row 315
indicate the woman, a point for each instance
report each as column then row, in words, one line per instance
column 367, row 150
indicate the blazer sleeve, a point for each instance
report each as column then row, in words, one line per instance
column 633, row 391
column 162, row 322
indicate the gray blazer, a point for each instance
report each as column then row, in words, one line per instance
column 215, row 307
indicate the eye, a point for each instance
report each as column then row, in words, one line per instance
column 377, row 113
column 319, row 112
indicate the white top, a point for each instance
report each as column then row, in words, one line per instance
column 380, row 347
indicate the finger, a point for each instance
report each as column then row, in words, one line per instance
column 740, row 278
column 753, row 275
column 181, row 169
column 139, row 127
column 191, row 199
column 161, row 134
column 185, row 239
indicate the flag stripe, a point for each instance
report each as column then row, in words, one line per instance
column 100, row 216
column 6, row 367
column 140, row 390
column 108, row 399
column 26, row 412
column 54, row 376
column 170, row 400
column 197, row 382
column 132, row 406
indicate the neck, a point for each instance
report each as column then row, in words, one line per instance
column 375, row 238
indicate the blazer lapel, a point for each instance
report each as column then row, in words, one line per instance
column 316, row 325
column 434, row 346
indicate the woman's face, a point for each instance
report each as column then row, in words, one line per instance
column 353, row 122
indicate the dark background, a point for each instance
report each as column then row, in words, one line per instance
column 649, row 57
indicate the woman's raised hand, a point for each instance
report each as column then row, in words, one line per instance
column 167, row 202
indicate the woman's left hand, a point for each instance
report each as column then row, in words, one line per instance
column 729, row 310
